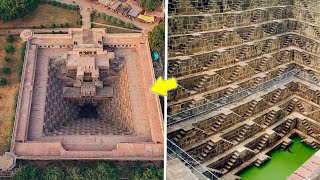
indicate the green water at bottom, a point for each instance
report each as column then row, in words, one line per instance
column 282, row 163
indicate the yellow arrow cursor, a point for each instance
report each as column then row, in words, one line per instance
column 161, row 87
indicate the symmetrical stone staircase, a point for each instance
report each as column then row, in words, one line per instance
column 262, row 64
column 306, row 125
column 217, row 124
column 232, row 160
column 273, row 28
column 243, row 43
column 250, row 109
column 263, row 142
column 270, row 118
column 276, row 96
column 181, row 133
column 242, row 133
column 206, row 150
column 287, row 126
column 90, row 127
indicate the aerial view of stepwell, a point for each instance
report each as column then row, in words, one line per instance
column 75, row 100
column 247, row 104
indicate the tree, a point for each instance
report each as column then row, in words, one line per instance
column 113, row 20
column 3, row 81
column 149, row 5
column 108, row 18
column 156, row 38
column 132, row 26
column 29, row 171
column 119, row 22
column 53, row 25
column 152, row 173
column 80, row 22
column 127, row 25
column 7, row 59
column 89, row 174
column 10, row 10
column 9, row 48
column 6, row 70
column 106, row 172
column 74, row 173
column 67, row 24
column 102, row 15
column 54, row 173
column 9, row 38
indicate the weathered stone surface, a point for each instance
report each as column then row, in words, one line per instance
column 220, row 51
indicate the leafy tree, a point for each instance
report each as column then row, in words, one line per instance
column 89, row 174
column 74, row 173
column 9, row 48
column 6, row 70
column 113, row 20
column 152, row 173
column 108, row 18
column 149, row 5
column 10, row 10
column 119, row 22
column 29, row 171
column 42, row 26
column 102, row 15
column 106, row 172
column 127, row 25
column 53, row 25
column 67, row 24
column 80, row 22
column 7, row 59
column 156, row 38
column 4, row 81
column 62, row 25
column 54, row 173
column 132, row 26
column 9, row 38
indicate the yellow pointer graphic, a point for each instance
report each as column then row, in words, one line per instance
column 161, row 87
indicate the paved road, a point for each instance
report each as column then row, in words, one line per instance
column 84, row 4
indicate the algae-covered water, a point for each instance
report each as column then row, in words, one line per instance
column 282, row 163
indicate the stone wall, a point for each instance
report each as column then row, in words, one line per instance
column 58, row 111
column 120, row 107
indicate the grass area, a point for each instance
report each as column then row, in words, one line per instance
column 8, row 93
column 114, row 29
column 45, row 14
